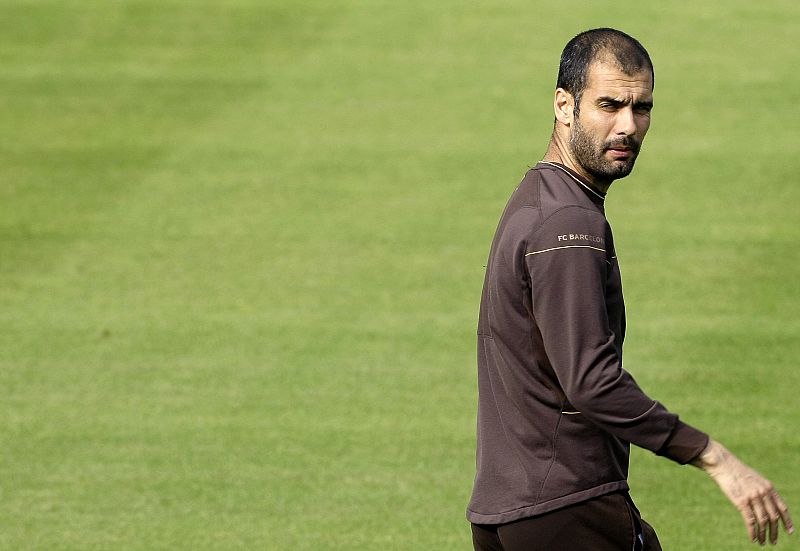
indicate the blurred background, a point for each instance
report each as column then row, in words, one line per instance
column 242, row 248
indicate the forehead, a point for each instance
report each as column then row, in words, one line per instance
column 608, row 79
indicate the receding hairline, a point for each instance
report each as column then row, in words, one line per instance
column 627, row 61
column 609, row 59
column 589, row 47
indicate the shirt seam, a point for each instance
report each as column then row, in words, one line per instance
column 568, row 173
column 624, row 483
column 535, row 231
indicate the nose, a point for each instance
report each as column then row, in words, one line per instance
column 626, row 122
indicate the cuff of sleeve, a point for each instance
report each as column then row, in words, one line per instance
column 684, row 443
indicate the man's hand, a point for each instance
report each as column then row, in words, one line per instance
column 751, row 493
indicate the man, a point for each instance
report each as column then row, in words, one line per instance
column 556, row 410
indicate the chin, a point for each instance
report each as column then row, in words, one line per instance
column 620, row 169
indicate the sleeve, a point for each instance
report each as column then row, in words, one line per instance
column 574, row 282
column 684, row 444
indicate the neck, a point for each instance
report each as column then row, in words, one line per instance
column 558, row 152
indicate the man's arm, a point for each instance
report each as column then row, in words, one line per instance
column 752, row 494
column 569, row 285
column 567, row 288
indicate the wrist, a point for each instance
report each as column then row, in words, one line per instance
column 713, row 456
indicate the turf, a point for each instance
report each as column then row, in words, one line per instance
column 242, row 245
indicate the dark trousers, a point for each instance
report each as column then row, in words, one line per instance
column 606, row 523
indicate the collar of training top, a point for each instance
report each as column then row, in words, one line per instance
column 593, row 194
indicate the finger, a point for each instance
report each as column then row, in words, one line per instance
column 761, row 519
column 783, row 511
column 750, row 522
column 773, row 517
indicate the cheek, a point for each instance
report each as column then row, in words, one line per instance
column 643, row 126
column 603, row 126
column 597, row 126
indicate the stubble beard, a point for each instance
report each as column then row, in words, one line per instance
column 590, row 154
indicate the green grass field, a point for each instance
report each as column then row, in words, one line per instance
column 242, row 247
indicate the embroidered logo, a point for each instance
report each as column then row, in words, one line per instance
column 581, row 237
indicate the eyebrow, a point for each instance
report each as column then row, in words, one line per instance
column 621, row 103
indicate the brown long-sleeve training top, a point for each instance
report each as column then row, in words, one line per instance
column 556, row 410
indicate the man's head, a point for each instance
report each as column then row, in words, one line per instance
column 602, row 103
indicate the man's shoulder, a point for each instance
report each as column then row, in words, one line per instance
column 526, row 195
column 546, row 190
column 547, row 202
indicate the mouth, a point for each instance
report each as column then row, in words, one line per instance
column 621, row 152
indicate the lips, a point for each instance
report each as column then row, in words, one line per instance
column 623, row 149
column 621, row 152
column 623, row 144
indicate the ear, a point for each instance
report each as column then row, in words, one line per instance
column 564, row 106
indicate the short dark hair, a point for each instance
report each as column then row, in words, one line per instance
column 588, row 46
